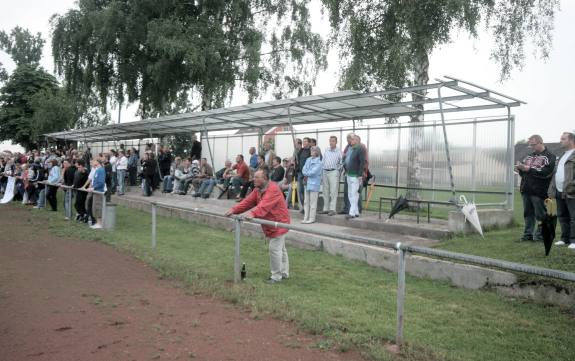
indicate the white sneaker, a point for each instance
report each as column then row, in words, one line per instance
column 571, row 246
column 96, row 226
column 559, row 243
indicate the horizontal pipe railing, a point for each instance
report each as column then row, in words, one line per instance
column 479, row 260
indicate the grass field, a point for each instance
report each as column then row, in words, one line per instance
column 350, row 303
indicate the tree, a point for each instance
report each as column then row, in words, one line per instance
column 24, row 47
column 3, row 74
column 165, row 54
column 16, row 101
column 387, row 43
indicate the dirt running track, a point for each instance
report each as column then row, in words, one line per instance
column 63, row 299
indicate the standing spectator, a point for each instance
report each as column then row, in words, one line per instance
column 196, row 152
column 303, row 154
column 87, row 157
column 345, row 209
column 278, row 171
column 112, row 172
column 133, row 166
column 80, row 180
column 253, row 158
column 332, row 163
column 354, row 166
column 365, row 174
column 149, row 171
column 563, row 190
column 53, row 178
column 536, row 171
column 312, row 171
column 267, row 202
column 165, row 161
column 121, row 170
column 242, row 174
column 269, row 154
column 98, row 185
column 69, row 174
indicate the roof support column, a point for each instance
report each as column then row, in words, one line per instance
column 447, row 154
column 208, row 141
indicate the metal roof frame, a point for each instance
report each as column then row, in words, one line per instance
column 331, row 107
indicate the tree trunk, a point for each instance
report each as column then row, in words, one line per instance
column 416, row 134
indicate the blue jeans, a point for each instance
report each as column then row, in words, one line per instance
column 207, row 187
column 42, row 198
column 121, row 173
column 168, row 184
column 533, row 209
column 68, row 195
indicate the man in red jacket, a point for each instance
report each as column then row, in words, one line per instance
column 267, row 202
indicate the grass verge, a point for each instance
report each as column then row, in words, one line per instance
column 350, row 303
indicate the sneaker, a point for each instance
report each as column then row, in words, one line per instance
column 571, row 246
column 305, row 221
column 323, row 212
column 67, row 218
column 271, row 281
column 96, row 226
column 285, row 276
column 331, row 213
column 205, row 196
column 559, row 243
column 526, row 238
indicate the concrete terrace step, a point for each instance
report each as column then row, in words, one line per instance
column 400, row 230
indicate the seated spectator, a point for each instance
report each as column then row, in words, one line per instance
column 206, row 172
column 262, row 165
column 181, row 175
column 168, row 183
column 278, row 172
column 242, row 174
column 208, row 184
column 194, row 173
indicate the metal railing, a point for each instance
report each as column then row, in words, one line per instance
column 68, row 197
column 402, row 250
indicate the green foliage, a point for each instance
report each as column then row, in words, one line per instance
column 165, row 54
column 387, row 42
column 3, row 73
column 23, row 46
column 17, row 99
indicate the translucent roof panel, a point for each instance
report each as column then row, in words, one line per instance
column 339, row 106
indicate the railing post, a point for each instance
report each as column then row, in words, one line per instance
column 68, row 203
column 237, row 237
column 154, row 208
column 103, row 209
column 400, row 294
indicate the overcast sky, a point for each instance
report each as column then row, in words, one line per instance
column 547, row 87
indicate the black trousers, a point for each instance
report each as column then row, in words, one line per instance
column 80, row 203
column 132, row 175
column 51, row 197
column 566, row 217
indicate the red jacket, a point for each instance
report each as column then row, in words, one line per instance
column 268, row 204
column 242, row 170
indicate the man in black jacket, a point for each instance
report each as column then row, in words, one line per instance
column 536, row 171
column 165, row 161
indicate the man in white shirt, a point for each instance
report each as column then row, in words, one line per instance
column 332, row 163
column 563, row 189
